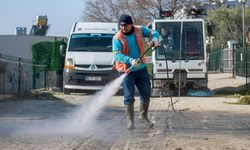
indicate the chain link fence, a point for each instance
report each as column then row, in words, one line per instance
column 17, row 75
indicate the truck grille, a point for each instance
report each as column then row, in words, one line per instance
column 98, row 66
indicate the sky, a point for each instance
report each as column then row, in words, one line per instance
column 22, row 13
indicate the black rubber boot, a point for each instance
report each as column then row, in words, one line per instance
column 130, row 116
column 143, row 117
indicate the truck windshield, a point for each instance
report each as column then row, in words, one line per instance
column 91, row 43
column 190, row 48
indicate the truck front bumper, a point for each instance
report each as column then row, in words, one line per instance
column 87, row 80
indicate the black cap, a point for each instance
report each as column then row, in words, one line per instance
column 125, row 19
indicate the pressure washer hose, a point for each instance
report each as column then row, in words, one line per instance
column 170, row 91
column 138, row 59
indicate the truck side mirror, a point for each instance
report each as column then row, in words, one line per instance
column 62, row 50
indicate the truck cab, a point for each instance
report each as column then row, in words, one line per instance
column 89, row 57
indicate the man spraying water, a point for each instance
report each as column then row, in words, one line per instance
column 128, row 46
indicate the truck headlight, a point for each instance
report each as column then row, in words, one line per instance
column 69, row 64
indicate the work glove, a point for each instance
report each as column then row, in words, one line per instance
column 135, row 63
column 154, row 43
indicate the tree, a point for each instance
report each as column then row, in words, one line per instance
column 142, row 11
column 228, row 24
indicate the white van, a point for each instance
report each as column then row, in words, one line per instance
column 88, row 59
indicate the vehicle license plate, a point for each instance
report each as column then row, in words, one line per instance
column 89, row 78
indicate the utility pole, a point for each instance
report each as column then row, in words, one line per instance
column 243, row 2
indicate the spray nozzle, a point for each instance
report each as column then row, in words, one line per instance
column 139, row 59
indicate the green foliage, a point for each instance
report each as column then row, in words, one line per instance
column 47, row 53
column 40, row 56
column 227, row 24
column 248, row 92
column 41, row 53
column 245, row 100
column 57, row 61
column 150, row 69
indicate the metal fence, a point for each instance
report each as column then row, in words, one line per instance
column 221, row 60
column 227, row 60
column 214, row 62
column 242, row 65
column 236, row 61
column 18, row 75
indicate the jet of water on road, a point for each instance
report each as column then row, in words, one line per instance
column 84, row 117
column 87, row 113
column 80, row 120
